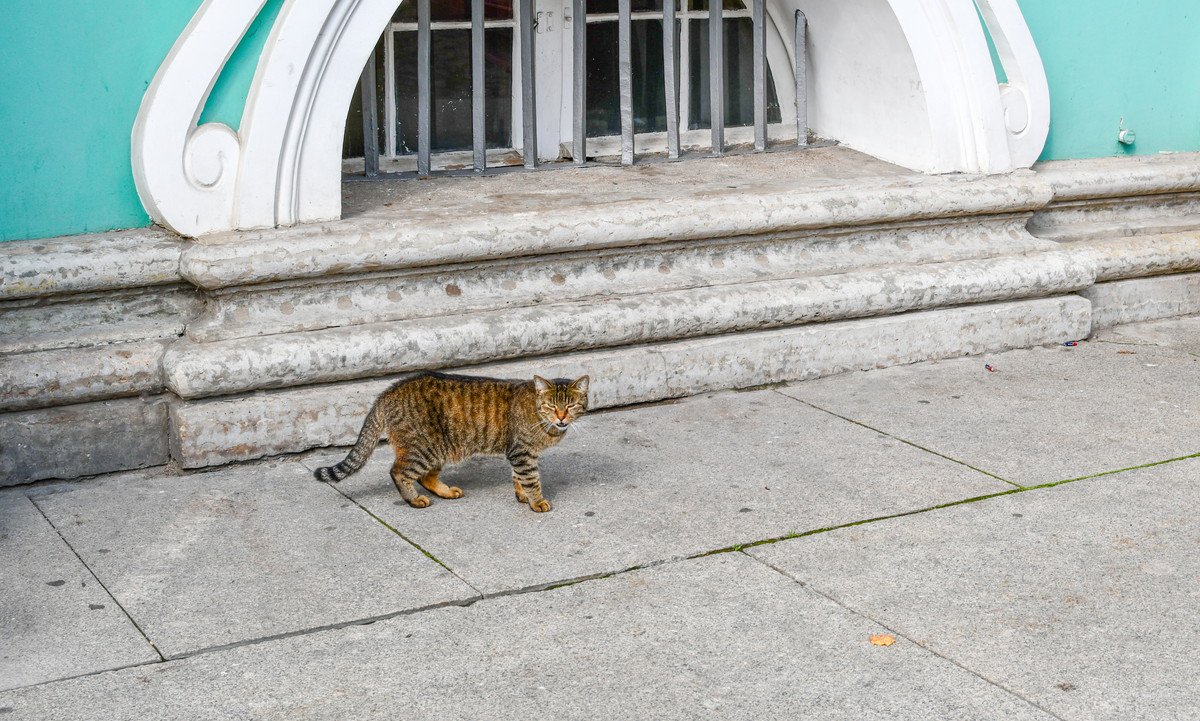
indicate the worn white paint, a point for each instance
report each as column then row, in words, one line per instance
column 909, row 81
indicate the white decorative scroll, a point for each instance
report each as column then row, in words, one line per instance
column 910, row 81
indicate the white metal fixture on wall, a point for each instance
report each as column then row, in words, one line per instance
column 909, row 81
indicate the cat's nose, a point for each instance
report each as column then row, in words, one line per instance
column 560, row 415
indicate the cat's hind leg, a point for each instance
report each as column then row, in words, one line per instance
column 434, row 484
column 406, row 471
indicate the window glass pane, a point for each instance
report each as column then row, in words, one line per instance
column 603, row 90
column 739, row 75
column 352, row 141
column 703, row 5
column 453, row 10
column 610, row 6
column 451, row 63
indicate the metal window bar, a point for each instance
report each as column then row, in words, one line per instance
column 370, row 119
column 525, row 24
column 716, row 74
column 759, row 32
column 801, row 71
column 579, row 81
column 424, row 92
column 478, row 118
column 528, row 108
column 670, row 75
column 625, row 78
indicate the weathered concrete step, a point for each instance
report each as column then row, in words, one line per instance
column 1141, row 299
column 371, row 244
column 76, row 375
column 82, row 263
column 89, row 319
column 562, row 277
column 222, row 430
column 200, row 370
column 1139, row 256
column 82, row 440
column 1114, row 217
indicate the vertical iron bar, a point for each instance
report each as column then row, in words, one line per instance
column 801, row 52
column 478, row 124
column 625, row 78
column 370, row 119
column 528, row 108
column 671, row 74
column 424, row 93
column 579, row 84
column 716, row 74
column 760, row 75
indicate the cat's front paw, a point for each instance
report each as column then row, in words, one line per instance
column 540, row 506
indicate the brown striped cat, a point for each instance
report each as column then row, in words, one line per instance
column 434, row 419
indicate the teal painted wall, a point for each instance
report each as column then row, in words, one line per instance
column 1108, row 59
column 72, row 75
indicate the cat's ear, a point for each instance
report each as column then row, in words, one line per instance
column 542, row 385
column 581, row 384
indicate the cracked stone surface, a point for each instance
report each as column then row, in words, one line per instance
column 213, row 559
column 55, row 619
column 723, row 636
column 664, row 482
column 1045, row 414
column 1080, row 597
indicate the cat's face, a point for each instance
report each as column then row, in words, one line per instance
column 561, row 401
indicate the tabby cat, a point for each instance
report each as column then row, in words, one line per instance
column 433, row 419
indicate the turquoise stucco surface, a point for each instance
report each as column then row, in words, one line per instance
column 1108, row 59
column 72, row 74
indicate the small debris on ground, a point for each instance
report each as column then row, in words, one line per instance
column 1071, row 343
column 1126, row 352
column 882, row 639
column 989, row 367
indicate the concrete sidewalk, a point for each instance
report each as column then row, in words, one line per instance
column 1027, row 535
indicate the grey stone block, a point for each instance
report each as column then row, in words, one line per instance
column 1081, row 598
column 82, row 440
column 632, row 488
column 721, row 637
column 1046, row 414
column 1142, row 299
column 56, row 621
column 1137, row 256
column 210, row 432
column 214, row 559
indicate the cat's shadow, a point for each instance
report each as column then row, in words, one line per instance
column 559, row 470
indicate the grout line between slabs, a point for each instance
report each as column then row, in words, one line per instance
column 107, row 592
column 902, row 440
column 910, row 639
column 406, row 539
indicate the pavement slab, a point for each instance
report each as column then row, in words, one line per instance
column 723, row 637
column 665, row 482
column 1043, row 414
column 1180, row 333
column 56, row 620
column 1081, row 597
column 212, row 559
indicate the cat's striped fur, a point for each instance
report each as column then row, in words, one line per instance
column 433, row 419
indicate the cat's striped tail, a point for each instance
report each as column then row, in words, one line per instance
column 368, row 439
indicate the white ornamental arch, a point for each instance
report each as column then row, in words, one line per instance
column 909, row 81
